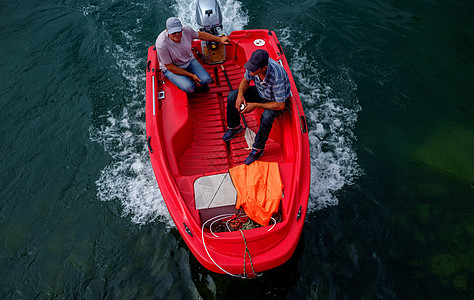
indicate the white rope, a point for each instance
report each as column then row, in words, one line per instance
column 205, row 247
column 210, row 227
column 219, row 218
column 274, row 223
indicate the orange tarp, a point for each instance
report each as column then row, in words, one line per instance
column 259, row 189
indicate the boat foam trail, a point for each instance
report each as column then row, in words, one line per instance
column 331, row 109
column 129, row 177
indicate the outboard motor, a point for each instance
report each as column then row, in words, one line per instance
column 209, row 19
column 209, row 16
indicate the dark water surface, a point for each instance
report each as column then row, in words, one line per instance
column 388, row 84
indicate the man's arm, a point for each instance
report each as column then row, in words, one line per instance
column 250, row 106
column 273, row 105
column 213, row 38
column 178, row 71
column 243, row 87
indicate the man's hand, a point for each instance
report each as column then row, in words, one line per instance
column 213, row 38
column 249, row 108
column 196, row 79
column 224, row 40
column 243, row 86
column 239, row 101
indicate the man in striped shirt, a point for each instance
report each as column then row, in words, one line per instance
column 271, row 90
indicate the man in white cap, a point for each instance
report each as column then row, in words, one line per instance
column 177, row 60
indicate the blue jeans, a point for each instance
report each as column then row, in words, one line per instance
column 266, row 120
column 184, row 82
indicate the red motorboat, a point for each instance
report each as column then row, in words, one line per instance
column 191, row 161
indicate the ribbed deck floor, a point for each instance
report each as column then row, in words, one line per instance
column 208, row 152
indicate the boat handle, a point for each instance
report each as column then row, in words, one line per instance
column 187, row 230
column 148, row 142
column 148, row 66
column 298, row 216
column 303, row 124
column 279, row 47
column 161, row 95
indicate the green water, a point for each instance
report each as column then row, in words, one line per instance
column 388, row 84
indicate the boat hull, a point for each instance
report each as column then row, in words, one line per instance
column 184, row 136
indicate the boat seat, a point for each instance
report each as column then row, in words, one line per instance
column 215, row 195
column 177, row 125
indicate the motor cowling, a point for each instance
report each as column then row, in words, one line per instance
column 209, row 19
column 209, row 16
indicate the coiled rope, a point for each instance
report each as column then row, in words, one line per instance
column 205, row 247
column 247, row 251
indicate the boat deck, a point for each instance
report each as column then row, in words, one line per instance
column 208, row 153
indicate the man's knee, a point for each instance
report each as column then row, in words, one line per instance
column 206, row 80
column 232, row 96
column 269, row 115
column 188, row 87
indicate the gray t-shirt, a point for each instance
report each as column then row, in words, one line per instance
column 179, row 54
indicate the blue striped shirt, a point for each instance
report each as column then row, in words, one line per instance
column 275, row 86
